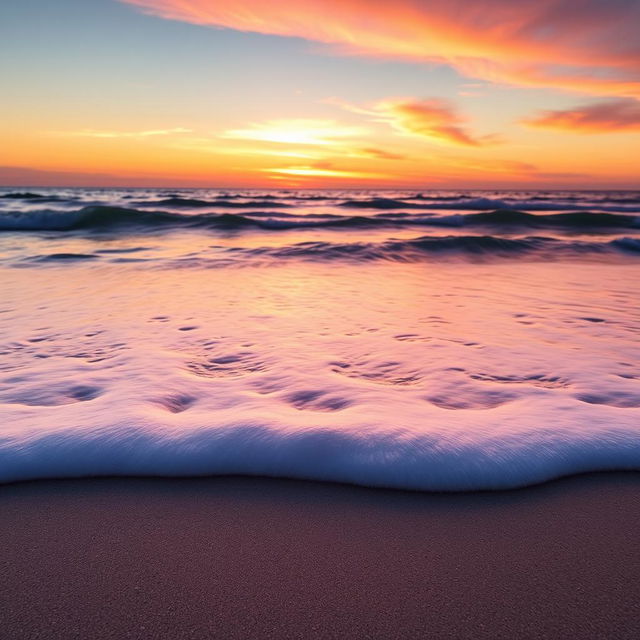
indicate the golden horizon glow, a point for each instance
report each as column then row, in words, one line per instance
column 318, row 172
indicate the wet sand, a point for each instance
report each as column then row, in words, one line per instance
column 259, row 558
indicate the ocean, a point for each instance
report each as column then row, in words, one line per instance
column 434, row 340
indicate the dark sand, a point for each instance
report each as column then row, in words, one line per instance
column 256, row 558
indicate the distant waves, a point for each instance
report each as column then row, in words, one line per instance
column 100, row 217
column 327, row 226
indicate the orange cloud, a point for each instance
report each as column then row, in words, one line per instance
column 583, row 45
column 434, row 119
column 603, row 117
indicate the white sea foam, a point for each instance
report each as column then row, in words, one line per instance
column 438, row 377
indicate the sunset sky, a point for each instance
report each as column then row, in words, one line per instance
column 321, row 93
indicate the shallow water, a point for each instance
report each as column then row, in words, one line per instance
column 412, row 350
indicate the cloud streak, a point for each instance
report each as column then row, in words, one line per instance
column 375, row 153
column 432, row 118
column 91, row 133
column 603, row 117
column 582, row 45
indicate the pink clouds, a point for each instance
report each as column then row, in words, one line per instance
column 603, row 117
column 583, row 45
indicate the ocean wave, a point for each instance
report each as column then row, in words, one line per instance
column 438, row 461
column 229, row 195
column 22, row 195
column 226, row 203
column 411, row 250
column 425, row 248
column 487, row 204
column 64, row 257
column 422, row 196
column 109, row 217
column 464, row 248
column 627, row 244
column 578, row 219
column 382, row 203
column 37, row 197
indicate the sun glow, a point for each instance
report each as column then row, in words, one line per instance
column 320, row 172
column 296, row 131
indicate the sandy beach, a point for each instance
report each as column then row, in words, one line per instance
column 262, row 558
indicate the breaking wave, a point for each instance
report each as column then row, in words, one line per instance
column 394, row 460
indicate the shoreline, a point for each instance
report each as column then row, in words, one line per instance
column 239, row 557
column 590, row 476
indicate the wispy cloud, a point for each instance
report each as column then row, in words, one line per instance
column 603, row 117
column 583, row 45
column 432, row 118
column 378, row 154
column 93, row 133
